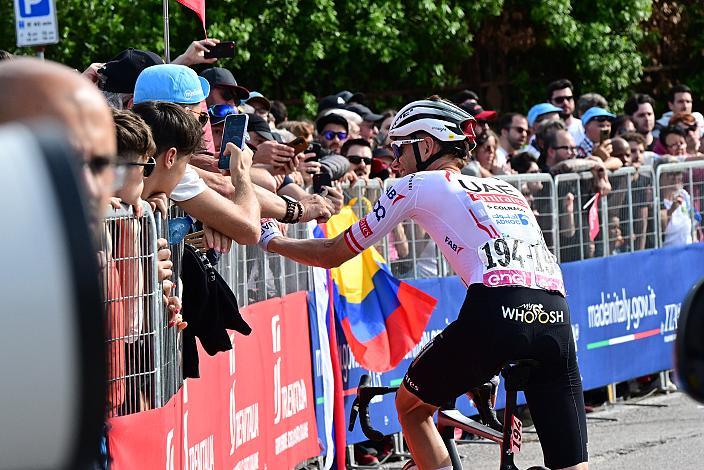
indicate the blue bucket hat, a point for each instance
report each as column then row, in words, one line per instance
column 172, row 83
column 595, row 112
column 540, row 109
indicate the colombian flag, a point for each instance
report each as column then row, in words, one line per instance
column 382, row 317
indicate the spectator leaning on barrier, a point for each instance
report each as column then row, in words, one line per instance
column 561, row 94
column 177, row 136
column 639, row 108
column 641, row 189
column 135, row 150
column 224, row 219
column 513, row 134
column 559, row 146
column 675, row 206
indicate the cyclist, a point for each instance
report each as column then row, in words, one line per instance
column 514, row 308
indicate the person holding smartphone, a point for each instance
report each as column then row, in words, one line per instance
column 596, row 140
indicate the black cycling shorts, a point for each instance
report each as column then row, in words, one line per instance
column 500, row 324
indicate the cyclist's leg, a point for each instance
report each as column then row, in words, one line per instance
column 556, row 403
column 453, row 362
column 422, row 437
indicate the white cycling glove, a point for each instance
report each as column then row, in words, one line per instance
column 270, row 230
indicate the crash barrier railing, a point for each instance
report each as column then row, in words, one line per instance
column 145, row 353
column 134, row 311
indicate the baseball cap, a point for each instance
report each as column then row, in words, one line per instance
column 223, row 78
column 331, row 118
column 540, row 109
column 172, row 83
column 350, row 97
column 260, row 126
column 255, row 96
column 463, row 96
column 595, row 112
column 366, row 113
column 121, row 71
column 330, row 102
column 479, row 113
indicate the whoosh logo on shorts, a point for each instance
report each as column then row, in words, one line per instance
column 533, row 313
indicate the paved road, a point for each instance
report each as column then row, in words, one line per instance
column 667, row 433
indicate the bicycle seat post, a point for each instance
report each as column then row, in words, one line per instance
column 515, row 378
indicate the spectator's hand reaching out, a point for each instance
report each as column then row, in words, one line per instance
column 216, row 240
column 603, row 150
column 278, row 156
column 336, row 198
column 195, row 53
column 91, row 73
column 159, row 202
column 316, row 208
column 163, row 256
column 175, row 318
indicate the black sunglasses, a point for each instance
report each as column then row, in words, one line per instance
column 149, row 166
column 562, row 99
column 356, row 159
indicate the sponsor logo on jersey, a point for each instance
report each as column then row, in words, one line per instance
column 365, row 228
column 379, row 211
column 453, row 246
column 511, row 219
column 508, row 277
column 499, row 199
column 533, row 313
column 394, row 196
column 504, row 208
column 475, row 187
column 410, row 182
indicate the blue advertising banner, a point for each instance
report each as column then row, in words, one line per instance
column 623, row 308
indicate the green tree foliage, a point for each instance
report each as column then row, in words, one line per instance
column 396, row 49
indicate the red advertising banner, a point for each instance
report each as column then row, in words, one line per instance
column 252, row 407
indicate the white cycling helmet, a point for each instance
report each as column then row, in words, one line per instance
column 441, row 119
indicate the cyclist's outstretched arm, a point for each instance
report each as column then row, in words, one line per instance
column 322, row 252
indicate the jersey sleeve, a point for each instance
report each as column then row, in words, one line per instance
column 393, row 207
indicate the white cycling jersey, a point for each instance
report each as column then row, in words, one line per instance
column 483, row 226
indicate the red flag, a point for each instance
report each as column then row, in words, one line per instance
column 197, row 6
column 594, row 218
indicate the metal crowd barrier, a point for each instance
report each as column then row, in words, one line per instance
column 134, row 311
column 145, row 354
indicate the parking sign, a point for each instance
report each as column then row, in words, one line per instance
column 35, row 22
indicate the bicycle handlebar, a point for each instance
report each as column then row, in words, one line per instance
column 360, row 406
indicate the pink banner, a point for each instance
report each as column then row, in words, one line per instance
column 252, row 407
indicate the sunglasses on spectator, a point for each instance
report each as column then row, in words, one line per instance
column 520, row 130
column 566, row 147
column 357, row 159
column 201, row 115
column 562, row 99
column 222, row 110
column 148, row 166
column 396, row 146
column 329, row 135
column 229, row 95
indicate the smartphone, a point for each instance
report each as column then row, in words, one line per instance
column 320, row 180
column 604, row 134
column 221, row 49
column 234, row 131
column 299, row 145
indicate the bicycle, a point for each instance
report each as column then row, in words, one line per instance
column 516, row 375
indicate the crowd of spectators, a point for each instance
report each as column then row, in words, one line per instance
column 161, row 140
